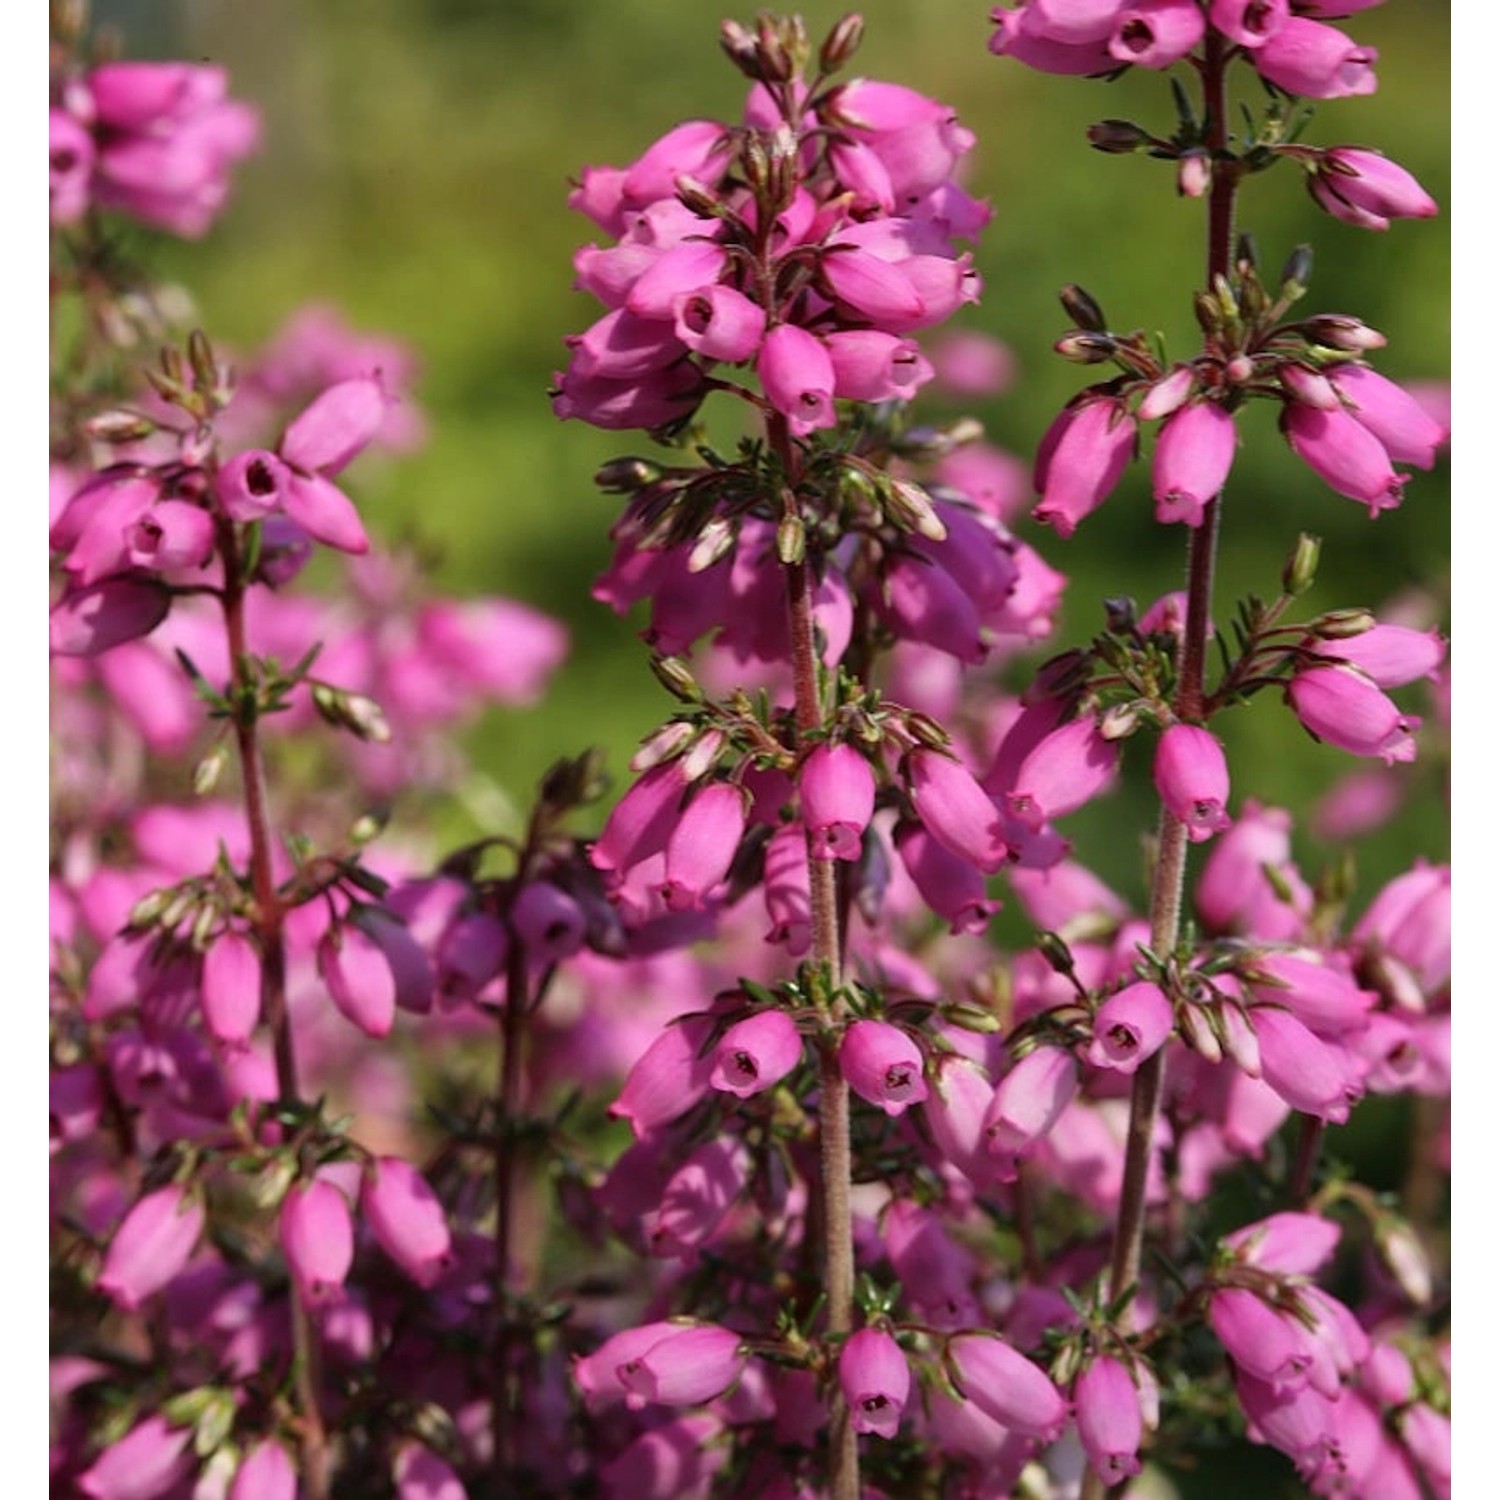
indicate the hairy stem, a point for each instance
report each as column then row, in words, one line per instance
column 270, row 916
column 505, row 1412
column 833, row 1093
column 1168, row 876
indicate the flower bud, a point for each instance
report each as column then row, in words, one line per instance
column 1006, row 1386
column 151, row 1245
column 317, row 1238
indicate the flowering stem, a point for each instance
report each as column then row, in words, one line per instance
column 833, row 1093
column 1171, row 858
column 270, row 915
column 507, row 1390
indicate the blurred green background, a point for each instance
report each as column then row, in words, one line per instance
column 415, row 172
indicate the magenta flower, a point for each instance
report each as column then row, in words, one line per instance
column 316, row 445
column 1389, row 655
column 756, row 1054
column 1342, row 705
column 883, row 1065
column 1305, row 1070
column 1194, row 452
column 1067, row 768
column 668, row 1078
column 1080, row 460
column 837, row 789
column 1130, row 1026
column 1264, row 1342
column 1192, row 780
column 151, row 1245
column 787, row 889
column 953, row 887
column 1344, row 454
column 1028, row 1101
column 702, row 846
column 421, row 1475
column 230, row 993
column 317, row 1237
column 955, row 809
column 876, row 1380
column 1248, row 23
column 265, row 1472
column 798, row 377
column 253, row 485
column 1156, row 33
column 1109, row 1418
column 687, row 1366
column 1006, row 1386
column 1316, row 61
column 151, row 1459
column 1367, row 189
column 407, row 1219
column 97, row 617
column 1295, row 1244
column 1405, row 429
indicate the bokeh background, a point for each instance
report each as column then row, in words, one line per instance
column 415, row 173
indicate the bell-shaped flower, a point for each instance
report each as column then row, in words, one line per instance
column 1156, row 33
column 1315, row 61
column 317, row 1238
column 1108, row 1406
column 1192, row 780
column 1366, row 189
column 837, row 790
column 1130, row 1026
column 668, row 1078
column 151, row 1459
column 756, row 1054
column 1343, row 706
column 955, row 809
column 702, row 845
column 407, row 1219
column 1080, row 460
column 690, row 1364
column 1194, row 452
column 266, row 1472
column 787, row 887
column 419, row 1474
column 883, row 1065
column 696, row 1198
column 1067, row 768
column 719, row 323
column 1007, row 1386
column 953, row 887
column 320, row 442
column 1344, row 454
column 230, row 993
column 1028, row 1101
column 1305, row 1070
column 151, row 1245
column 797, row 374
column 875, row 1380
column 1294, row 1244
column 1405, row 428
column 1248, row 23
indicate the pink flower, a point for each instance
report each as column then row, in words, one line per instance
column 1405, row 430
column 953, row 887
column 1342, row 705
column 1192, row 780
column 1194, row 452
column 1006, row 1386
column 955, row 809
column 1306, row 1071
column 1248, row 23
column 421, row 1475
column 252, row 485
column 703, row 844
column 319, row 443
column 667, row 1079
column 756, row 1054
column 1367, row 189
column 883, row 1065
column 1344, row 454
column 876, row 1380
column 798, row 377
column 1130, row 1026
column 151, row 1245
column 1028, row 1101
column 1109, row 1418
column 1316, row 61
column 407, row 1219
column 230, row 994
column 1295, row 1244
column 88, row 620
column 1067, row 768
column 837, row 789
column 1268, row 1344
column 688, row 1365
column 265, row 1472
column 151, row 1460
column 317, row 1237
column 1080, row 460
column 1156, row 33
column 1389, row 655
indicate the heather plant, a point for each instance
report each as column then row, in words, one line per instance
column 704, row 1140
